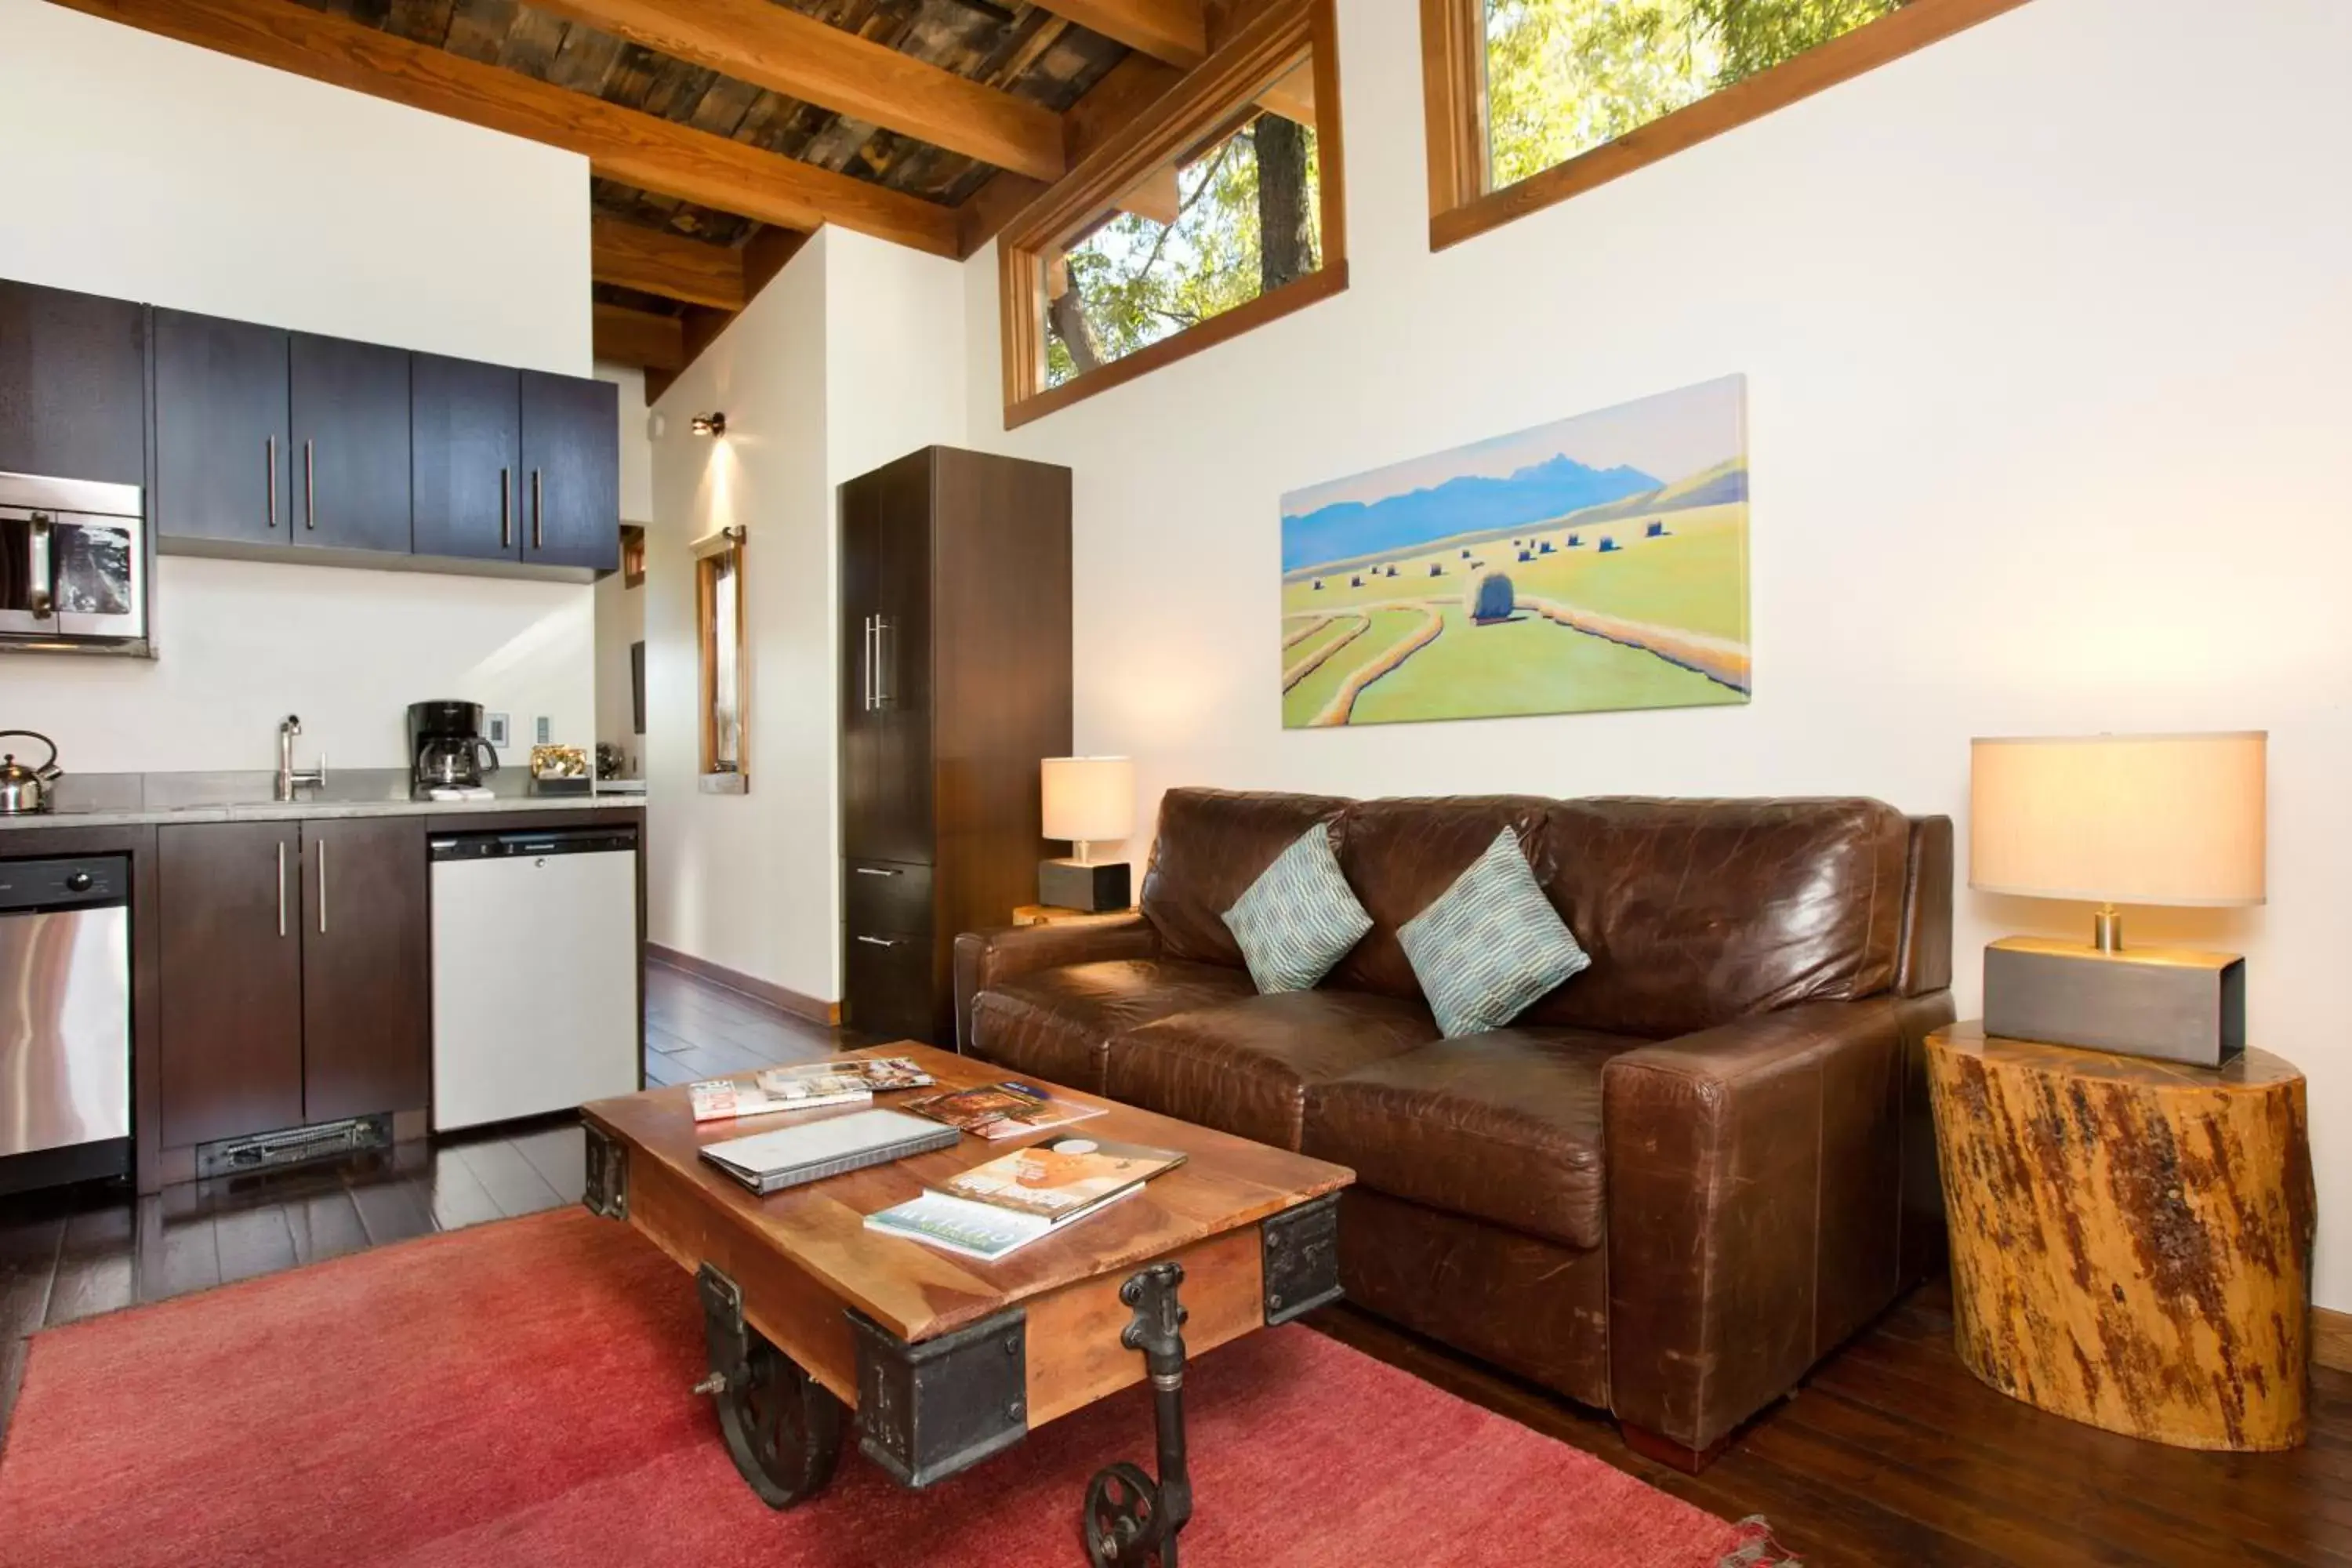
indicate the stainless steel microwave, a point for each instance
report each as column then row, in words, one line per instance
column 73, row 566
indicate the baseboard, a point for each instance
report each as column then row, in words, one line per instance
column 2331, row 1338
column 784, row 999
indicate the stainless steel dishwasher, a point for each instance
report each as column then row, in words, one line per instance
column 65, row 1020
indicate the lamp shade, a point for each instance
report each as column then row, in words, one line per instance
column 2133, row 819
column 1089, row 798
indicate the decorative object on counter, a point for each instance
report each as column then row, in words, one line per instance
column 2151, row 1275
column 1086, row 799
column 446, row 747
column 23, row 789
column 2171, row 820
column 1596, row 564
column 610, row 761
column 560, row 769
column 719, row 633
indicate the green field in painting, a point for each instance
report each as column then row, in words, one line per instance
column 1333, row 631
column 1309, row 697
column 1528, row 665
column 1695, row 577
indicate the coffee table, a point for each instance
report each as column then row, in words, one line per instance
column 946, row 1360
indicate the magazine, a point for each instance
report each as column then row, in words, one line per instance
column 766, row 1161
column 820, row 1083
column 1062, row 1177
column 883, row 1074
column 1005, row 1109
column 714, row 1099
column 985, row 1231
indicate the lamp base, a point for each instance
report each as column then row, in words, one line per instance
column 2171, row 1004
column 1089, row 885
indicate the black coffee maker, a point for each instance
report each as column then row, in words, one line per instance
column 446, row 748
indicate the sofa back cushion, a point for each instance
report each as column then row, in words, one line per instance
column 1699, row 911
column 1211, row 847
column 1400, row 855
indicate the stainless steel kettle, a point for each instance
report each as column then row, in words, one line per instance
column 23, row 789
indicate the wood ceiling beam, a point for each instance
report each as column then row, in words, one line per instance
column 623, row 145
column 765, row 43
column 639, row 337
column 1126, row 90
column 1176, row 31
column 653, row 261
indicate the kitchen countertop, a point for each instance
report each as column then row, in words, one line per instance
column 117, row 800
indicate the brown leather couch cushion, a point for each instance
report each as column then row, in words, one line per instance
column 1247, row 1066
column 1503, row 1126
column 1058, row 1023
column 1400, row 855
column 1211, row 845
column 1699, row 911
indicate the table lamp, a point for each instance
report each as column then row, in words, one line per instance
column 1087, row 800
column 2169, row 820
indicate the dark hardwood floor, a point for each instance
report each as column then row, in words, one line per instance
column 1890, row 1454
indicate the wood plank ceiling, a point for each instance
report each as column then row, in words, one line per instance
column 720, row 131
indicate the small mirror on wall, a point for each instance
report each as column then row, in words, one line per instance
column 725, row 687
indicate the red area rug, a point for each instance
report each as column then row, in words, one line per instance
column 518, row 1394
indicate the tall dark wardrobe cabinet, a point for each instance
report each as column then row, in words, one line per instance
column 955, row 682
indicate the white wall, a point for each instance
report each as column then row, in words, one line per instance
column 2045, row 330
column 620, row 609
column 849, row 358
column 150, row 170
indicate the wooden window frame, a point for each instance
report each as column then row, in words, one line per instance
column 727, row 547
column 1210, row 95
column 1454, row 89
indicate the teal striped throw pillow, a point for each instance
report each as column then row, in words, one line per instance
column 1299, row 918
column 1490, row 944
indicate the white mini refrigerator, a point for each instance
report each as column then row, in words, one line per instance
column 534, row 971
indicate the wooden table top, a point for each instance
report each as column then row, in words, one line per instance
column 918, row 1292
column 2250, row 1069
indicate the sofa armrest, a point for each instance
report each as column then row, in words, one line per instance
column 986, row 958
column 1756, row 1205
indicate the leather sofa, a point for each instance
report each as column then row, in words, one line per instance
column 1667, row 1189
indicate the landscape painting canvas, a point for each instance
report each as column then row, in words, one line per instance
column 1596, row 564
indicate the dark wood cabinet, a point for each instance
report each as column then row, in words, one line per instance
column 349, row 426
column 73, row 385
column 222, row 431
column 955, row 666
column 466, row 458
column 228, row 898
column 572, row 471
column 367, row 979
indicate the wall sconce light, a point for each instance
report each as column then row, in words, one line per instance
column 710, row 425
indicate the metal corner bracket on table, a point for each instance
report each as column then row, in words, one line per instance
column 606, row 1192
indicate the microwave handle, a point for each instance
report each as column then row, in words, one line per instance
column 40, row 567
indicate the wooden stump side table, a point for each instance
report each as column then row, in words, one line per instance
column 2130, row 1238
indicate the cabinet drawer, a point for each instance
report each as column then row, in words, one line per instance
column 885, row 898
column 890, row 985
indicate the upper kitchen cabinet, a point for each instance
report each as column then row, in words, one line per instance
column 349, row 409
column 73, row 385
column 466, row 458
column 572, row 470
column 223, row 428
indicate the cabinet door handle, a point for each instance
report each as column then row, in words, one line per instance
column 880, row 941
column 875, row 871
column 281, row 887
column 506, row 508
column 869, row 664
column 538, row 511
column 40, row 567
column 322, row 887
column 269, row 451
column 310, row 489
column 882, row 693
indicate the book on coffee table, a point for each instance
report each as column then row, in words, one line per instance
column 1007, row 1109
column 777, row 1089
column 1062, row 1178
column 769, row 1161
column 985, row 1231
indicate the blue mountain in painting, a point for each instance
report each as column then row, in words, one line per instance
column 1471, row 504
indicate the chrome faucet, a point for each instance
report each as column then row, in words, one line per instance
column 288, row 781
